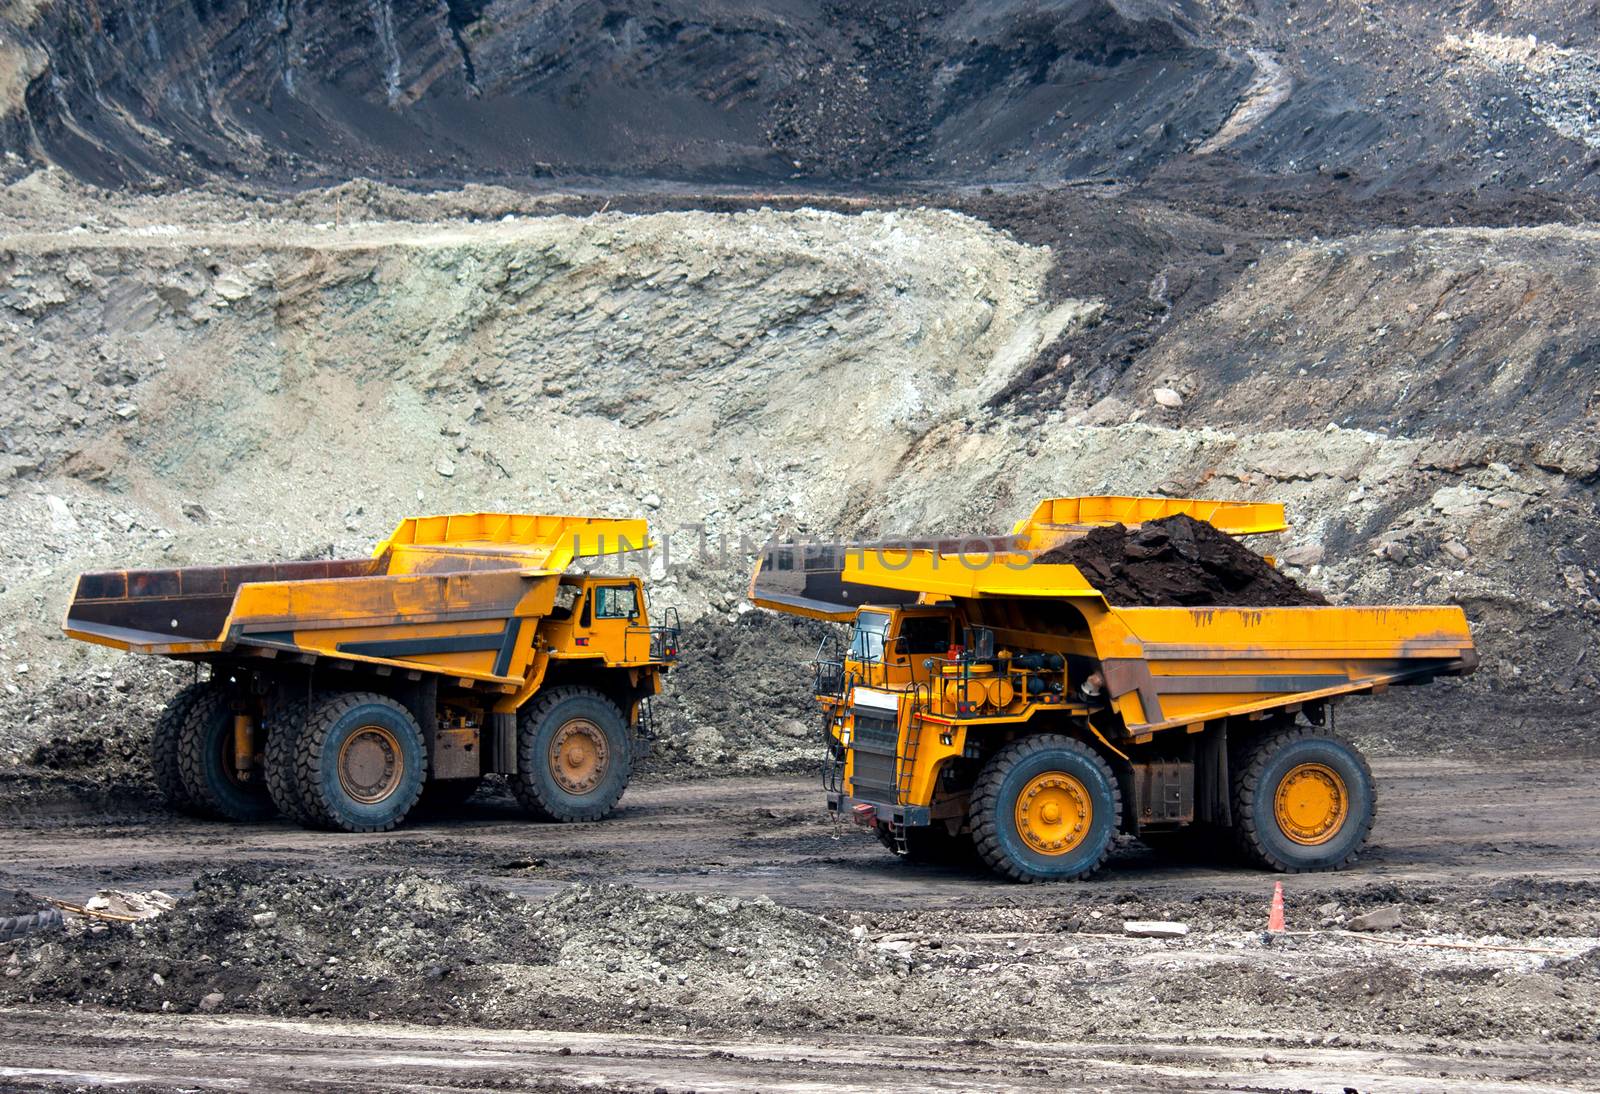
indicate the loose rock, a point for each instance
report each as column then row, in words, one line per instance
column 1386, row 918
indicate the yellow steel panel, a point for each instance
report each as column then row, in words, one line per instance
column 981, row 571
column 836, row 615
column 1235, row 517
column 1329, row 631
column 963, row 575
column 471, row 665
column 523, row 541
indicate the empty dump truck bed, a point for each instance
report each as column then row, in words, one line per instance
column 463, row 641
column 987, row 696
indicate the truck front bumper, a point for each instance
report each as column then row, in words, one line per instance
column 863, row 812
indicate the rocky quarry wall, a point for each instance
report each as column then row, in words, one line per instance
column 148, row 93
column 273, row 389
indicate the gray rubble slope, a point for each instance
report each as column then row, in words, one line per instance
column 225, row 392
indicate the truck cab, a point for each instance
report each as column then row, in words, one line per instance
column 885, row 643
column 916, row 693
column 603, row 618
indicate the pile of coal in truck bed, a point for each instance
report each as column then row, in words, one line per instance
column 1178, row 561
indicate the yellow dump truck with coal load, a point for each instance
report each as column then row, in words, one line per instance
column 991, row 697
column 341, row 692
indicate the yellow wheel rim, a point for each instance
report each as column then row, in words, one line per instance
column 1054, row 813
column 1311, row 804
column 579, row 756
column 370, row 764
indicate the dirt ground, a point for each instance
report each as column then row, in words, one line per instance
column 725, row 934
column 137, row 1053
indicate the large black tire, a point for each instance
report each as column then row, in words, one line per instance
column 45, row 919
column 932, row 845
column 1078, row 770
column 164, row 747
column 560, row 788
column 282, row 761
column 360, row 762
column 1266, row 809
column 205, row 762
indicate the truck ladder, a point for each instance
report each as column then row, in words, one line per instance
column 906, row 760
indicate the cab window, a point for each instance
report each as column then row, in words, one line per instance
column 924, row 634
column 616, row 602
column 566, row 600
column 867, row 642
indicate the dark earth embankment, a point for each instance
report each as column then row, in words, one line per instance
column 1178, row 562
column 292, row 92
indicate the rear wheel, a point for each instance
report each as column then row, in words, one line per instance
column 360, row 762
column 1304, row 800
column 574, row 755
column 206, row 764
column 1045, row 808
column 282, row 757
column 164, row 763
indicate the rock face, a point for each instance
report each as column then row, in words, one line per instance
column 126, row 92
column 285, row 387
column 754, row 90
column 1438, row 332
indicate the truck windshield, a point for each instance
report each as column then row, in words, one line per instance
column 867, row 642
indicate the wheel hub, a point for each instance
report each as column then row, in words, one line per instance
column 1311, row 804
column 1054, row 813
column 370, row 767
column 579, row 756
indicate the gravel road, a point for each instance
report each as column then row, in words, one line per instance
column 690, row 943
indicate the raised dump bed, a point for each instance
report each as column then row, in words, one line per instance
column 984, row 690
column 339, row 688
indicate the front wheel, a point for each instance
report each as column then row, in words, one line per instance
column 1304, row 800
column 574, row 755
column 1045, row 808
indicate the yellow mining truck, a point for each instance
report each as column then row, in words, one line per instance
column 989, row 701
column 342, row 691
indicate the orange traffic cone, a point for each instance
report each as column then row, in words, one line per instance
column 1275, row 917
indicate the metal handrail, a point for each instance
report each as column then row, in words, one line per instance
column 662, row 639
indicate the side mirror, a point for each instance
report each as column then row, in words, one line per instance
column 982, row 644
